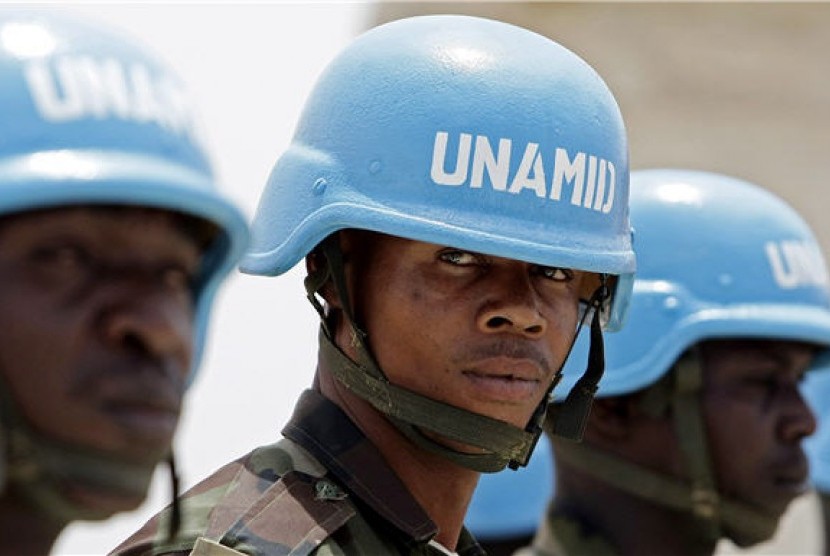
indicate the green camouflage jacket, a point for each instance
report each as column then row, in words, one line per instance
column 324, row 489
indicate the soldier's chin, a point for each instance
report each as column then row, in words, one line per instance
column 97, row 503
column 745, row 538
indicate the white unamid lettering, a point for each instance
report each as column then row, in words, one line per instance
column 439, row 154
column 796, row 263
column 531, row 173
column 76, row 87
column 590, row 192
column 496, row 167
column 592, row 179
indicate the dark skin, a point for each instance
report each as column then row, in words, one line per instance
column 760, row 390
column 482, row 333
column 755, row 419
column 96, row 309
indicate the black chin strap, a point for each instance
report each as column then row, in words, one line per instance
column 410, row 413
column 501, row 443
column 569, row 418
column 175, row 506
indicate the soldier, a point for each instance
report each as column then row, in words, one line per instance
column 696, row 432
column 113, row 241
column 458, row 189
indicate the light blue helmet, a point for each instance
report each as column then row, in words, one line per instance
column 464, row 132
column 458, row 131
column 89, row 117
column 717, row 258
column 511, row 504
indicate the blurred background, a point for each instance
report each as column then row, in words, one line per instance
column 737, row 88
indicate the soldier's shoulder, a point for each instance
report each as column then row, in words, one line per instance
column 194, row 506
column 274, row 498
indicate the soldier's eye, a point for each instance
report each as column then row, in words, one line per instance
column 459, row 258
column 177, row 278
column 67, row 260
column 555, row 273
column 63, row 265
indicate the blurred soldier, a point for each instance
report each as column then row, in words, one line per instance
column 458, row 188
column 507, row 507
column 113, row 241
column 697, row 430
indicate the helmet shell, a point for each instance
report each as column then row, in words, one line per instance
column 717, row 257
column 458, row 131
column 90, row 117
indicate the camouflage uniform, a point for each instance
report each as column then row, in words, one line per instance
column 323, row 489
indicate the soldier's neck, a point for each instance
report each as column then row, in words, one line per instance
column 443, row 489
column 606, row 512
column 24, row 530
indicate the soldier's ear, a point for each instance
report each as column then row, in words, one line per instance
column 315, row 262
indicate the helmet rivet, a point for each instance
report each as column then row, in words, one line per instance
column 375, row 166
column 671, row 303
column 319, row 186
column 725, row 279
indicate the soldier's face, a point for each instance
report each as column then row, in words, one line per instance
column 756, row 419
column 479, row 332
column 96, row 314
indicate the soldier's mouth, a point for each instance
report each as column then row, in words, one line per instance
column 508, row 381
column 153, row 422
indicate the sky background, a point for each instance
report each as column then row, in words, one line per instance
column 248, row 69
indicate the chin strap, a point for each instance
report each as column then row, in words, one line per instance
column 410, row 412
column 175, row 506
column 568, row 419
column 502, row 444
column 39, row 469
column 698, row 496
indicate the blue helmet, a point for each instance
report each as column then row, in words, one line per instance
column 511, row 504
column 465, row 132
column 717, row 258
column 91, row 118
column 458, row 131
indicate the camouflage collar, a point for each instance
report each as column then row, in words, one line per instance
column 326, row 432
